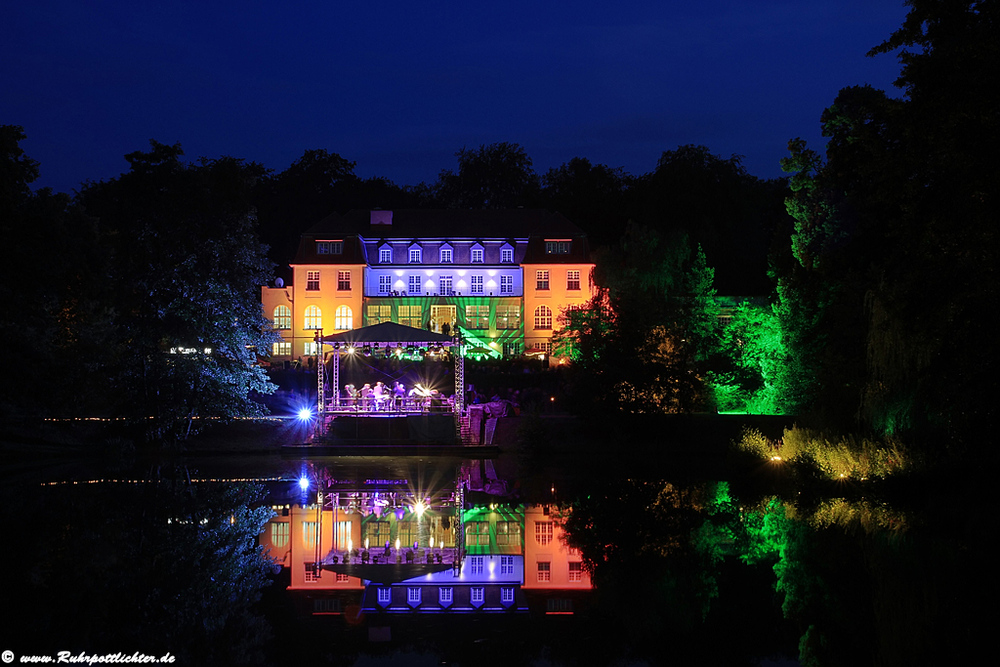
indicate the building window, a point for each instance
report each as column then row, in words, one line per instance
column 576, row 571
column 379, row 314
column 558, row 606
column 410, row 316
column 506, row 284
column 344, row 281
column 341, row 577
column 476, row 285
column 477, row 534
column 281, row 349
column 309, row 534
column 312, row 281
column 314, row 318
column 282, row 317
column 415, row 286
column 384, row 595
column 415, row 255
column 309, row 348
column 557, row 247
column 506, row 594
column 329, row 247
column 508, row 317
column 543, row 317
column 444, row 286
column 445, row 594
column 544, row 571
column 477, row 593
column 572, row 280
column 384, row 284
column 413, row 595
column 477, row 317
column 544, row 347
column 446, row 255
column 507, row 255
column 343, row 318
column 377, row 532
column 508, row 533
column 543, row 532
column 541, row 280
column 476, row 562
column 506, row 565
column 279, row 533
column 476, row 256
column 385, row 255
column 312, row 573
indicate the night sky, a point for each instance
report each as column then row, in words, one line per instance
column 399, row 87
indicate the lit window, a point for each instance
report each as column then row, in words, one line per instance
column 279, row 533
column 377, row 532
column 506, row 284
column 415, row 256
column 309, row 348
column 344, row 280
column 508, row 317
column 312, row 281
column 413, row 595
column 343, row 318
column 541, row 280
column 341, row 577
column 313, row 573
column 507, row 255
column 384, row 595
column 477, row 317
column 573, row 280
column 282, row 349
column 543, row 532
column 557, row 247
column 576, row 571
column 477, row 593
column 282, row 317
column 385, row 255
column 508, row 533
column 379, row 314
column 446, row 255
column 476, row 256
column 476, row 562
column 506, row 565
column 416, row 286
column 477, row 534
column 476, row 283
column 314, row 318
column 445, row 594
column 410, row 316
column 544, row 571
column 444, row 286
column 384, row 284
column 309, row 533
column 506, row 594
column 543, row 317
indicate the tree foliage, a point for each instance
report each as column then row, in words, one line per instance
column 493, row 176
column 183, row 284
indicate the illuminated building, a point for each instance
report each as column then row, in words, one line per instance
column 501, row 277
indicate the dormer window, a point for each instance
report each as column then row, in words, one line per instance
column 415, row 255
column 446, row 254
column 329, row 247
column 507, row 254
column 385, row 255
column 557, row 247
column 476, row 255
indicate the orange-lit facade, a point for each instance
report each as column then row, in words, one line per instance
column 503, row 278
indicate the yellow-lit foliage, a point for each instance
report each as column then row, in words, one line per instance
column 838, row 457
column 871, row 517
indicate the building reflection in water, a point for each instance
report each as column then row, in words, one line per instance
column 379, row 547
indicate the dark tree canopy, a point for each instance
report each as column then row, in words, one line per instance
column 493, row 176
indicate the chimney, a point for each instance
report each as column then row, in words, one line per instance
column 382, row 218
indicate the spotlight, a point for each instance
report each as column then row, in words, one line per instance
column 304, row 483
column 305, row 414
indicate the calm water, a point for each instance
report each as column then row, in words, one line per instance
column 688, row 568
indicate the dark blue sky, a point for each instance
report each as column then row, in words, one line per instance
column 398, row 87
